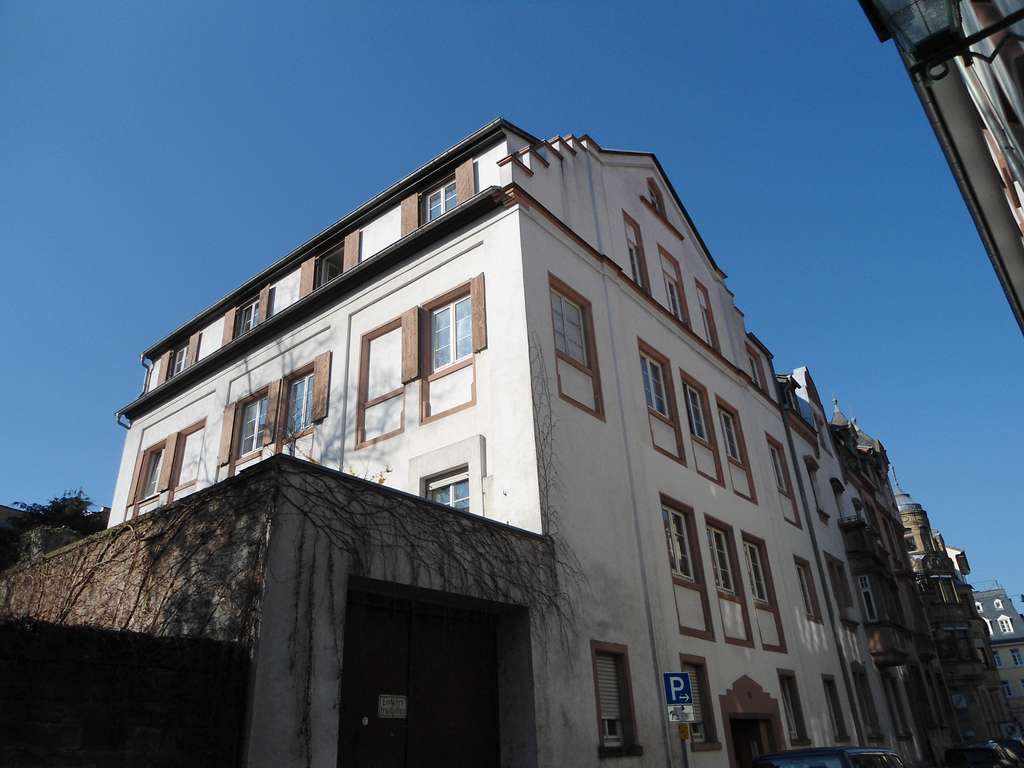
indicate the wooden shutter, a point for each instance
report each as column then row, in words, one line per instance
column 609, row 694
column 410, row 345
column 426, row 353
column 165, row 366
column 353, row 240
column 192, row 356
column 229, row 325
column 167, row 463
column 227, row 432
column 321, row 385
column 307, row 273
column 133, row 491
column 264, row 303
column 476, row 291
column 410, row 214
column 270, row 431
column 465, row 181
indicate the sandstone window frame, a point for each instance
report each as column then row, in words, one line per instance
column 743, row 462
column 697, row 581
column 648, row 355
column 616, row 655
column 591, row 367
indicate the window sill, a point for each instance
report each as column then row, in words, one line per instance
column 801, row 742
column 458, row 365
column 661, row 417
column 706, row 746
column 628, row 750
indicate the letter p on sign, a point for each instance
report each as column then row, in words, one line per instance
column 677, row 688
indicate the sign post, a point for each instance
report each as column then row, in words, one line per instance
column 679, row 698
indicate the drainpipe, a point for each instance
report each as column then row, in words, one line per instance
column 148, row 366
column 822, row 576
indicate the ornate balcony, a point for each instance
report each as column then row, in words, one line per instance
column 888, row 644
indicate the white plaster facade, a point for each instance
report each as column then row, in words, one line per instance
column 549, row 210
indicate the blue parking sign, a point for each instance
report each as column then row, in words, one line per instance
column 677, row 688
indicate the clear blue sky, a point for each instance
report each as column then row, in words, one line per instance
column 153, row 158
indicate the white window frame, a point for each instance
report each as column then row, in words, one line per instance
column 259, row 426
column 756, row 572
column 778, row 464
column 803, row 576
column 1007, row 689
column 247, row 323
column 705, row 316
column 679, row 545
column 695, row 413
column 1015, row 655
column 179, row 360
column 612, row 728
column 673, row 290
column 698, row 728
column 308, row 383
column 652, row 383
column 567, row 333
column 978, row 607
column 731, row 435
column 755, row 369
column 154, row 465
column 867, row 595
column 997, row 604
column 635, row 250
column 451, row 309
column 997, row 658
column 721, row 565
column 1006, row 625
column 447, row 198
column 450, row 481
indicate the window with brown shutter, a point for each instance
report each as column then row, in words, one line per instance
column 227, row 434
column 465, row 181
column 322, row 385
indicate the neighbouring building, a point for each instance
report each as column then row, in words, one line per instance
column 965, row 63
column 1005, row 627
column 960, row 637
column 532, row 337
column 887, row 644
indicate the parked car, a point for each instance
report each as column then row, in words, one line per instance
column 831, row 757
column 985, row 754
column 1015, row 745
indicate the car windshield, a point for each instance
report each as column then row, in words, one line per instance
column 801, row 761
column 958, row 758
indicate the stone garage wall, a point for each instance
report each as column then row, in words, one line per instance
column 81, row 696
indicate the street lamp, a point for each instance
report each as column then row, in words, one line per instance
column 921, row 27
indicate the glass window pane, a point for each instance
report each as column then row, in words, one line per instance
column 460, row 494
column 434, row 206
column 463, row 328
column 441, row 495
column 558, row 322
column 441, row 324
column 450, row 197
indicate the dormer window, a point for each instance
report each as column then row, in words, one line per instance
column 656, row 197
column 329, row 266
column 248, row 316
column 998, row 604
column 178, row 360
column 440, row 201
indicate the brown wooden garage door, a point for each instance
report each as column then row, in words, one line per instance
column 438, row 663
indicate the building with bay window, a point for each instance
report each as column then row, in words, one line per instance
column 532, row 335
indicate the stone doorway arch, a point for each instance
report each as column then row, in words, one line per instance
column 749, row 711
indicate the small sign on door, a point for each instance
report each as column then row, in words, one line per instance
column 391, row 706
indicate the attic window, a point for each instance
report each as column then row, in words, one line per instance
column 329, row 266
column 657, row 200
